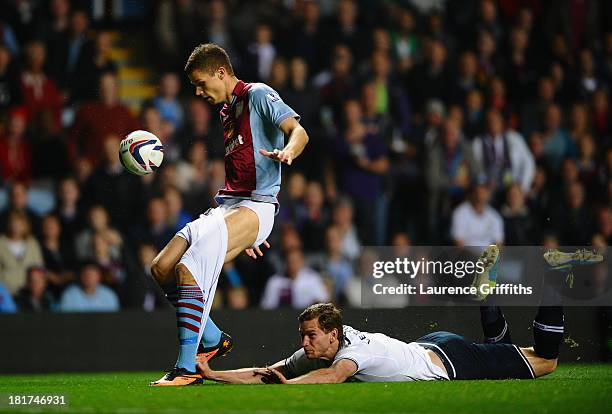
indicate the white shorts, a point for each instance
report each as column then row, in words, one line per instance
column 265, row 212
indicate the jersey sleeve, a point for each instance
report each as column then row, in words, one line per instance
column 268, row 103
column 298, row 364
column 357, row 354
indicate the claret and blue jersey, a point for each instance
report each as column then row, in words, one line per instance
column 251, row 121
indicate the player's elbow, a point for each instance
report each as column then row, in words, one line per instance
column 304, row 134
column 337, row 377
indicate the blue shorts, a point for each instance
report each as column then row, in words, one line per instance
column 465, row 360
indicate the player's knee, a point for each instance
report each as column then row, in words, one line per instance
column 183, row 275
column 545, row 367
column 551, row 366
column 159, row 271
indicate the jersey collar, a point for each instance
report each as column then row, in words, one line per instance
column 238, row 90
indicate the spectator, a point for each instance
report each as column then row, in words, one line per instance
column 99, row 62
column 336, row 266
column 57, row 24
column 572, row 219
column 391, row 100
column 406, row 42
column 199, row 128
column 305, row 101
column 15, row 149
column 335, row 86
column 141, row 290
column 467, row 80
column 579, row 122
column 488, row 59
column 600, row 118
column 450, row 165
column 306, row 38
column 292, row 198
column 98, row 119
column 519, row 72
column 474, row 113
column 237, row 298
column 34, row 296
column 10, row 93
column 178, row 217
column 49, row 155
column 313, row 218
column 89, row 295
column 71, row 52
column 533, row 112
column 343, row 220
column 58, row 254
column 502, row 156
column 361, row 163
column 474, row 222
column 113, row 272
column 98, row 224
column 279, row 73
column 7, row 304
column 18, row 201
column 70, row 209
column 431, row 79
column 152, row 121
column 156, row 228
column 167, row 101
column 261, row 53
column 587, row 165
column 557, row 143
column 110, row 181
column 19, row 251
column 39, row 91
column 345, row 30
column 298, row 287
column 520, row 226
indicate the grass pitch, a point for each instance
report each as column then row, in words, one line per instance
column 571, row 389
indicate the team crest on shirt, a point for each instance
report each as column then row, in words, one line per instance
column 239, row 107
column 272, row 97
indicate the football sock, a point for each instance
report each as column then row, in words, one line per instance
column 212, row 333
column 548, row 323
column 189, row 309
column 548, row 331
column 494, row 325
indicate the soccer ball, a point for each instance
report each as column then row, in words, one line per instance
column 141, row 152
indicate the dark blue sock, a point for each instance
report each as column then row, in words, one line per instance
column 494, row 325
column 548, row 331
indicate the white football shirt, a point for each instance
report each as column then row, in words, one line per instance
column 379, row 358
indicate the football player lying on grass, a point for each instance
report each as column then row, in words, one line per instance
column 332, row 352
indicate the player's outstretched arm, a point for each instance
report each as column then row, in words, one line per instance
column 238, row 376
column 298, row 138
column 337, row 373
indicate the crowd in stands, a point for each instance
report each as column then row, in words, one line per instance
column 462, row 122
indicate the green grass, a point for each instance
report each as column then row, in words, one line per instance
column 571, row 389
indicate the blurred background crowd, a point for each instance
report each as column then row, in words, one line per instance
column 461, row 122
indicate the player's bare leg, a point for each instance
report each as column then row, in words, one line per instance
column 166, row 260
column 214, row 342
column 541, row 366
column 242, row 227
column 206, row 256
